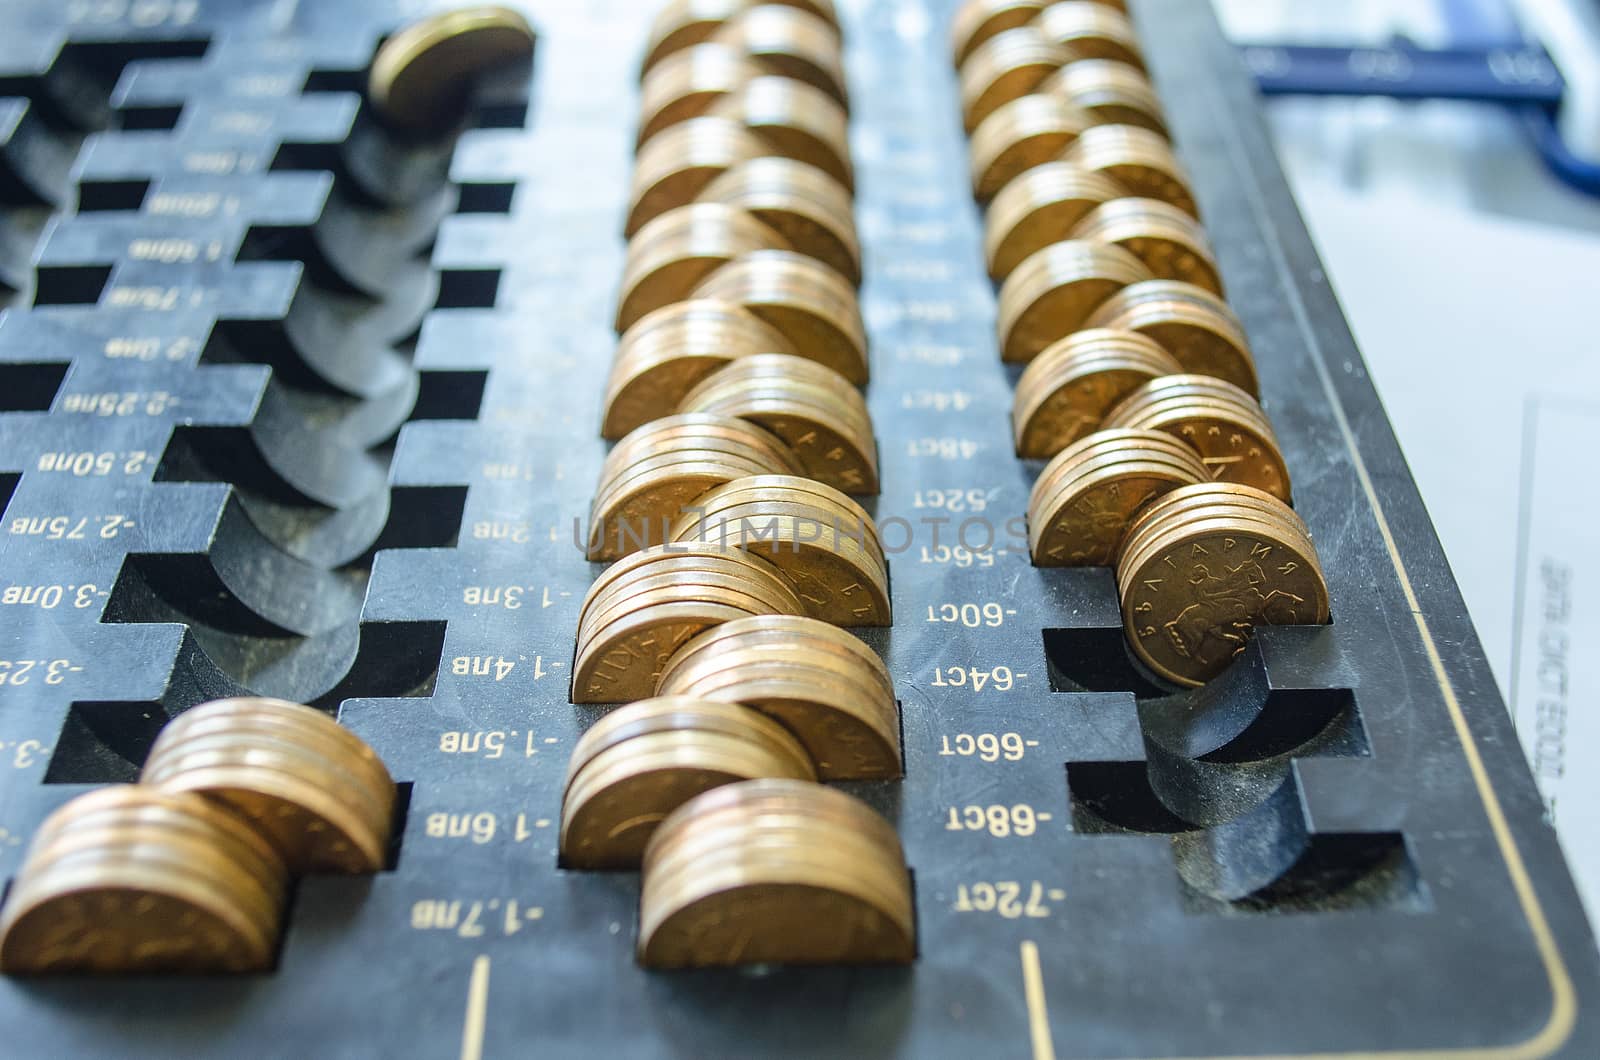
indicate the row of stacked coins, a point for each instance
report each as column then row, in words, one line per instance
column 1139, row 380
column 188, row 870
column 736, row 551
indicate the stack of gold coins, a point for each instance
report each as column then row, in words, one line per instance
column 311, row 786
column 1085, row 499
column 187, row 870
column 821, row 683
column 663, row 466
column 643, row 607
column 1109, row 292
column 642, row 761
column 774, row 872
column 1203, row 565
column 725, row 504
column 824, row 543
column 135, row 879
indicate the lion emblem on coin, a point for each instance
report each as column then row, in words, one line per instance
column 1223, row 607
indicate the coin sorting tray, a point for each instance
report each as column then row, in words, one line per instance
column 294, row 409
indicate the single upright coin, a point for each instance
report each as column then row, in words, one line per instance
column 421, row 77
column 796, row 120
column 1200, row 570
column 688, row 83
column 1086, row 498
column 1055, row 290
column 790, row 43
column 1067, row 391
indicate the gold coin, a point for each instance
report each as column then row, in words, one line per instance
column 677, row 164
column 296, row 721
column 620, row 662
column 838, row 513
column 696, row 431
column 1189, row 322
column 750, row 804
column 656, row 584
column 639, row 508
column 1137, row 159
column 668, row 257
column 1171, row 244
column 348, row 783
column 1028, row 131
column 422, row 75
column 669, row 557
column 828, row 428
column 662, row 356
column 159, row 847
column 619, row 796
column 788, row 633
column 189, row 815
column 1223, row 424
column 838, row 578
column 808, row 303
column 1054, row 292
column 1040, row 207
column 787, row 890
column 776, row 842
column 682, row 24
column 319, row 817
column 674, row 713
column 1231, row 498
column 795, row 120
column 1090, row 30
column 850, row 733
column 977, row 20
column 1068, row 389
column 119, row 915
column 803, row 204
column 790, row 43
column 1079, row 516
column 1005, row 67
column 1109, row 92
column 688, row 83
column 1194, row 588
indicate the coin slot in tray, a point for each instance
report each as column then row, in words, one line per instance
column 468, row 288
column 104, row 743
column 30, row 387
column 449, row 395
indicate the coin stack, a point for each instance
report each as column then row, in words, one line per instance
column 136, row 879
column 315, row 789
column 1139, row 382
column 187, row 870
column 726, row 507
column 774, row 871
column 738, row 294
